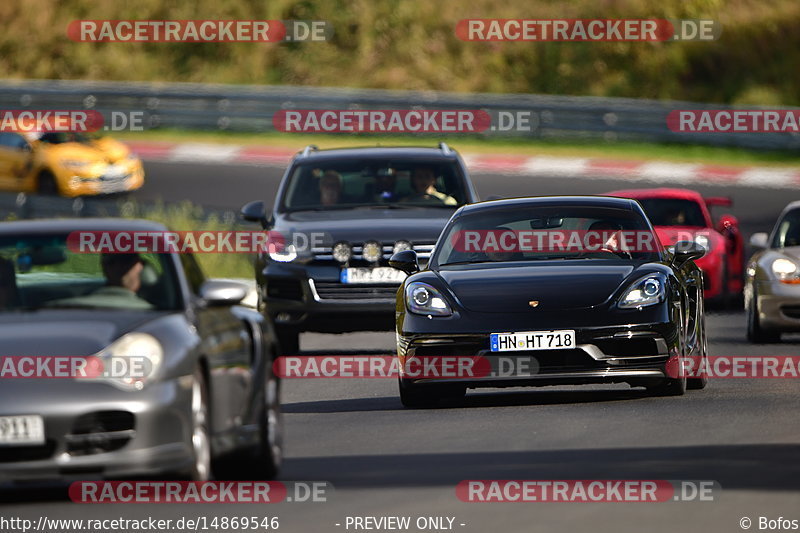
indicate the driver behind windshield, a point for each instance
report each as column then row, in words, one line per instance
column 423, row 180
column 123, row 279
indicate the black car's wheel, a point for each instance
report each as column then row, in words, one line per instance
column 46, row 185
column 269, row 454
column 422, row 396
column 288, row 340
column 701, row 382
column 201, row 441
column 755, row 332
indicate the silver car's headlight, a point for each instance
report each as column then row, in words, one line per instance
column 646, row 291
column 786, row 271
column 422, row 299
column 130, row 362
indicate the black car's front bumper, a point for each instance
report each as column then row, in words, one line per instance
column 638, row 354
column 311, row 298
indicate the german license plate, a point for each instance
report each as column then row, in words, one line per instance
column 27, row 429
column 372, row 275
column 532, row 340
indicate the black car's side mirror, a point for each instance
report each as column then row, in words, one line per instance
column 687, row 250
column 405, row 261
column 223, row 292
column 256, row 212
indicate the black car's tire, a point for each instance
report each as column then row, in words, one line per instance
column 669, row 387
column 268, row 456
column 701, row 382
column 201, row 437
column 755, row 333
column 288, row 340
column 46, row 185
column 425, row 396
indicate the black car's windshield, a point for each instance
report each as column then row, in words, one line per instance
column 788, row 231
column 673, row 212
column 547, row 233
column 41, row 271
column 375, row 182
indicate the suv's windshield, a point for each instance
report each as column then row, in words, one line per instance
column 673, row 212
column 545, row 233
column 42, row 272
column 347, row 184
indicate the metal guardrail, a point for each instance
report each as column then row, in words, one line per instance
column 27, row 206
column 250, row 109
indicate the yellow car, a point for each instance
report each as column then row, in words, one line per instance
column 67, row 164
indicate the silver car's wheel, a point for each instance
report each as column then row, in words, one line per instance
column 201, row 442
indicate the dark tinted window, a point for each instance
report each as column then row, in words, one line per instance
column 673, row 212
column 338, row 184
column 788, row 231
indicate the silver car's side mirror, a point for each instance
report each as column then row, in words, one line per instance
column 759, row 240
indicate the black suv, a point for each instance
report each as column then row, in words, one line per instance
column 341, row 214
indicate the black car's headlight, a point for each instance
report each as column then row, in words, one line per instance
column 646, row 291
column 422, row 299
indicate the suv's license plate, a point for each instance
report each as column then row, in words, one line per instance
column 532, row 340
column 372, row 275
column 21, row 429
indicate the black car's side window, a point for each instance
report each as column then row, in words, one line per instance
column 194, row 275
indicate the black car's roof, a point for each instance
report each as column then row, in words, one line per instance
column 66, row 225
column 378, row 152
column 545, row 201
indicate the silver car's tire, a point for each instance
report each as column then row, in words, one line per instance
column 755, row 332
column 201, row 440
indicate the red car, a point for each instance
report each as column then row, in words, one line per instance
column 682, row 214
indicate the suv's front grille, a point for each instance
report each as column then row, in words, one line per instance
column 423, row 252
column 286, row 289
column 327, row 290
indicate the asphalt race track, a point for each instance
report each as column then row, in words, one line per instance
column 384, row 460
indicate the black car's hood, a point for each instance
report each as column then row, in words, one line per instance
column 510, row 288
column 358, row 225
column 74, row 332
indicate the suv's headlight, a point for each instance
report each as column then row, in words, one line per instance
column 130, row 362
column 786, row 271
column 287, row 255
column 645, row 291
column 422, row 299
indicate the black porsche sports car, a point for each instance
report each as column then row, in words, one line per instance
column 542, row 315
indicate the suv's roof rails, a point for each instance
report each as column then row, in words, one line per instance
column 444, row 148
column 310, row 148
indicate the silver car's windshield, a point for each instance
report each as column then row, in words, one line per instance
column 38, row 272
